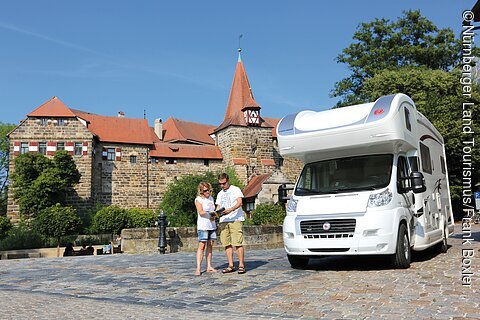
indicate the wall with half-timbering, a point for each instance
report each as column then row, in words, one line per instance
column 46, row 135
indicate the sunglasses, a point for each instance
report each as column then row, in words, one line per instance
column 206, row 190
column 223, row 183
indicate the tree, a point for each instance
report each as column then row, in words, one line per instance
column 178, row 200
column 413, row 56
column 56, row 222
column 5, row 226
column 412, row 40
column 438, row 96
column 4, row 159
column 39, row 182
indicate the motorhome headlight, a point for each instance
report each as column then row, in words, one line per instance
column 380, row 199
column 292, row 205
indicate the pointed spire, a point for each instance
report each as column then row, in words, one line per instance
column 241, row 98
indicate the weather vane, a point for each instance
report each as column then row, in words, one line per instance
column 239, row 45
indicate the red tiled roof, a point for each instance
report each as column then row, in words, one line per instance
column 52, row 108
column 254, row 186
column 268, row 162
column 183, row 150
column 240, row 161
column 274, row 122
column 118, row 129
column 241, row 96
column 184, row 131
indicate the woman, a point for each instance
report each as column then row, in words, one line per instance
column 206, row 226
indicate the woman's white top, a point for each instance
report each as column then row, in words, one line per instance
column 208, row 206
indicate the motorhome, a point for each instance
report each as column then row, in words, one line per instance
column 374, row 182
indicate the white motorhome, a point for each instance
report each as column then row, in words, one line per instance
column 374, row 182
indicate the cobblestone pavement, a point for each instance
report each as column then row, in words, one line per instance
column 163, row 287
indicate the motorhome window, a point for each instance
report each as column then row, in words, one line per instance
column 345, row 174
column 407, row 119
column 402, row 173
column 425, row 158
column 443, row 165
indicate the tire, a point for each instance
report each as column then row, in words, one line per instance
column 297, row 261
column 403, row 254
column 442, row 247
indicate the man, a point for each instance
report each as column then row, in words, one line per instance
column 231, row 221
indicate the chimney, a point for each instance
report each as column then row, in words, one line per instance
column 121, row 114
column 159, row 128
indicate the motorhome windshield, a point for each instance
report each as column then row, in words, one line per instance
column 345, row 174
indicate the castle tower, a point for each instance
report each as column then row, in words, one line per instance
column 244, row 137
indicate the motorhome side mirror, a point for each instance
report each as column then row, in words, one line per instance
column 418, row 182
column 282, row 193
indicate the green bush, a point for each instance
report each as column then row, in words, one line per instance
column 111, row 219
column 21, row 237
column 141, row 218
column 87, row 219
column 56, row 222
column 268, row 214
column 5, row 226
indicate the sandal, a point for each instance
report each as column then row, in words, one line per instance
column 241, row 270
column 229, row 269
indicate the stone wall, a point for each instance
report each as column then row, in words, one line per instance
column 32, row 130
column 124, row 183
column 145, row 240
column 250, row 144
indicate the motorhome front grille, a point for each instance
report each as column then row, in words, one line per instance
column 340, row 226
column 329, row 250
column 327, row 236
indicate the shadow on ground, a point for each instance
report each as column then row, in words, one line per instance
column 364, row 263
column 249, row 265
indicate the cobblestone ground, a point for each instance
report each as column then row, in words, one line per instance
column 163, row 287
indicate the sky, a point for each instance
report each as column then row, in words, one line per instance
column 177, row 58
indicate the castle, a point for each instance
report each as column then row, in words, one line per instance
column 124, row 162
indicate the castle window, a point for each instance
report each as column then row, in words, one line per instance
column 170, row 161
column 206, row 162
column 24, row 148
column 43, row 121
column 111, row 154
column 60, row 146
column 42, row 148
column 133, row 159
column 61, row 122
column 78, row 148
